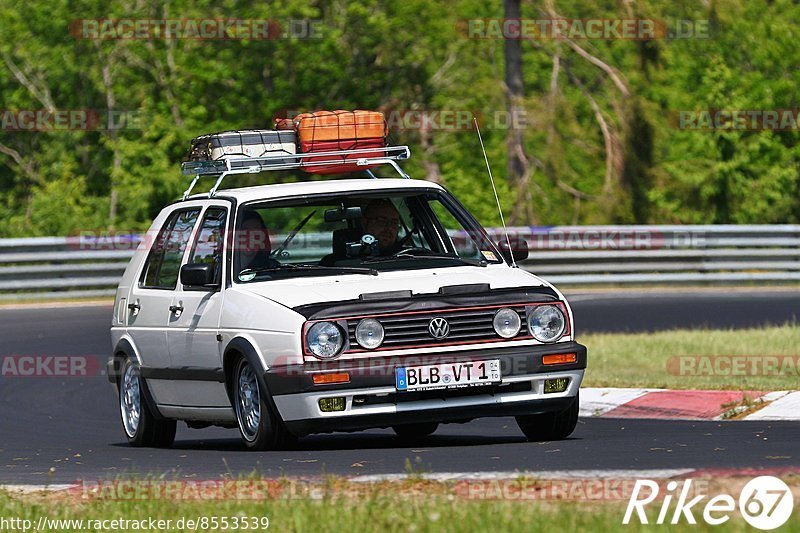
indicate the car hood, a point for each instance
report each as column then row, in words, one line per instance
column 303, row 291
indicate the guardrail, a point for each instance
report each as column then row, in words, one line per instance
column 48, row 267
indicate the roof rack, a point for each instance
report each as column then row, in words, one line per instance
column 365, row 157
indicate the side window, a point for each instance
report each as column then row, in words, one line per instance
column 207, row 246
column 164, row 260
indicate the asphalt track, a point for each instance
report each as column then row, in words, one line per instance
column 59, row 430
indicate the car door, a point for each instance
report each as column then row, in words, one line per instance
column 150, row 300
column 194, row 321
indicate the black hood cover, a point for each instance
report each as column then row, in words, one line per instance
column 397, row 301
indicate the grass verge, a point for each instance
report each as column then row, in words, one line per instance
column 744, row 359
column 336, row 504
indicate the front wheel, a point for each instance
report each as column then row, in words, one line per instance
column 261, row 428
column 141, row 426
column 550, row 426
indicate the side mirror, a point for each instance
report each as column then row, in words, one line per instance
column 519, row 251
column 198, row 275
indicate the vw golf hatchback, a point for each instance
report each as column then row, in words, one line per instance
column 335, row 305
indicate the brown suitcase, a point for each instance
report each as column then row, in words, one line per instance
column 282, row 124
column 340, row 125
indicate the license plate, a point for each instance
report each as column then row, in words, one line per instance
column 448, row 375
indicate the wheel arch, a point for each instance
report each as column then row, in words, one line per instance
column 236, row 348
column 125, row 350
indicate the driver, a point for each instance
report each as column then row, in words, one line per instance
column 253, row 243
column 382, row 220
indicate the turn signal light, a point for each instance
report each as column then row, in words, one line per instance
column 559, row 358
column 324, row 379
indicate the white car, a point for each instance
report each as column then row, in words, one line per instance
column 336, row 305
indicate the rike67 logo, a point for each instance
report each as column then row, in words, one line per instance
column 765, row 503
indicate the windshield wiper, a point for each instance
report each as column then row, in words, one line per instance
column 301, row 266
column 410, row 256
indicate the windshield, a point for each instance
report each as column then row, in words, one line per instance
column 361, row 234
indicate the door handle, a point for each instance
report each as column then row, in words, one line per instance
column 177, row 309
column 134, row 307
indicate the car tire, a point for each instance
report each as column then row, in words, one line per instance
column 141, row 426
column 415, row 431
column 259, row 424
column 550, row 426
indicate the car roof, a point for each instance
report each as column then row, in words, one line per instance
column 282, row 190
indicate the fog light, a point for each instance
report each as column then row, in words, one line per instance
column 369, row 333
column 507, row 323
column 555, row 385
column 327, row 405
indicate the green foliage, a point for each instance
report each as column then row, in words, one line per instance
column 409, row 56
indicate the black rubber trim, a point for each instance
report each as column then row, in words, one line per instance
column 368, row 372
column 184, row 374
column 468, row 288
column 445, row 414
column 386, row 295
column 114, row 363
column 425, row 302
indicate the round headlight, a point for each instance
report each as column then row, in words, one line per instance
column 546, row 323
column 369, row 333
column 507, row 323
column 325, row 339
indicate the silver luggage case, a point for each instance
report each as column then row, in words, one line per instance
column 244, row 143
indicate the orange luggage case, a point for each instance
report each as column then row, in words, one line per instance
column 340, row 125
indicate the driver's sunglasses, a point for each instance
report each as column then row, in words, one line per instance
column 386, row 223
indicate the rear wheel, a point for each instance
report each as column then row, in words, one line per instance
column 141, row 426
column 550, row 426
column 260, row 426
column 415, row 431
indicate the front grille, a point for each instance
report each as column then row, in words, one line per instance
column 466, row 325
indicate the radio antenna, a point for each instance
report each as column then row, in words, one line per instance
column 497, row 198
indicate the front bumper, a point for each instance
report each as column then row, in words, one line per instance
column 371, row 399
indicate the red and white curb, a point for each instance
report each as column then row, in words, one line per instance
column 442, row 477
column 689, row 404
column 450, row 477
